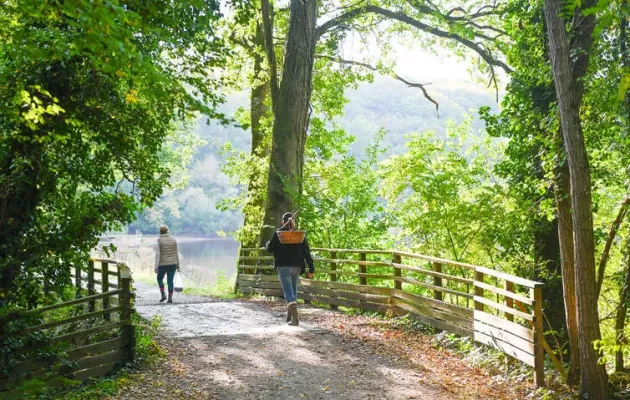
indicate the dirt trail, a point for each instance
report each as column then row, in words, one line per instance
column 243, row 351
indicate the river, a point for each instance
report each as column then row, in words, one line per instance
column 204, row 261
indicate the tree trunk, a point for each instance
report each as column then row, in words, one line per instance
column 291, row 114
column 259, row 109
column 569, row 90
column 622, row 310
column 565, row 236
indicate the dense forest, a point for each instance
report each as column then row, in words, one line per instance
column 218, row 118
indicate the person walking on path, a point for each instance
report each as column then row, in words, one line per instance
column 166, row 262
column 289, row 261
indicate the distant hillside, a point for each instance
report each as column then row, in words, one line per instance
column 385, row 104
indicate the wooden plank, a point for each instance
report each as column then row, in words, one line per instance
column 357, row 251
column 437, row 279
column 105, row 288
column 109, row 272
column 90, row 285
column 505, row 336
column 261, row 285
column 347, row 286
column 435, row 259
column 266, row 292
column 397, row 271
column 249, row 267
column 70, row 320
column 512, row 327
column 90, row 331
column 501, row 307
column 503, row 292
column 505, row 347
column 507, row 277
column 89, row 362
column 346, row 303
column 363, row 269
column 244, row 249
column 436, row 273
column 82, row 300
column 97, row 372
column 107, row 260
column 97, row 348
column 374, row 298
column 440, row 305
column 416, row 282
column 539, row 355
column 434, row 313
column 31, row 365
column 354, row 262
column 256, row 258
column 445, row 326
column 258, row 278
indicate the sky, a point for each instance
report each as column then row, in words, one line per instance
column 415, row 64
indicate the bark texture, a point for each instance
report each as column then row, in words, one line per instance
column 565, row 237
column 569, row 90
column 622, row 311
column 291, row 107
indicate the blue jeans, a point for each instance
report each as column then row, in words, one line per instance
column 289, row 277
column 169, row 270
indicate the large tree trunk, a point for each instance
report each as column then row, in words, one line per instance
column 565, row 236
column 622, row 311
column 569, row 92
column 291, row 102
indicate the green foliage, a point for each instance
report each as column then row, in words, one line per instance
column 340, row 207
column 90, row 94
column 445, row 199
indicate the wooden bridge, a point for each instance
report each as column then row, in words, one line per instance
column 492, row 307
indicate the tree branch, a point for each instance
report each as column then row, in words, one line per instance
column 402, row 17
column 623, row 209
column 394, row 75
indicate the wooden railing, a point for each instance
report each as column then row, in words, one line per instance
column 492, row 307
column 96, row 329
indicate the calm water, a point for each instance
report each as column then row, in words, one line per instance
column 203, row 260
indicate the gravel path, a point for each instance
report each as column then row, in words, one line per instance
column 244, row 351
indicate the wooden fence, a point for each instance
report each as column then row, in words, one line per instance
column 494, row 308
column 95, row 330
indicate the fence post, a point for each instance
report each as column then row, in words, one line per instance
column 363, row 269
column 333, row 276
column 128, row 332
column 90, row 284
column 397, row 259
column 509, row 302
column 536, row 294
column 105, row 288
column 77, row 279
column 478, row 290
column 437, row 281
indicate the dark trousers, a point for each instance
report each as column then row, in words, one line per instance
column 169, row 270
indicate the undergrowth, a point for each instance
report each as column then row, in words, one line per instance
column 59, row 387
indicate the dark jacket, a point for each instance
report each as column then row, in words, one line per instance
column 290, row 255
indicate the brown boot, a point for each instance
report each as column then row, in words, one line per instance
column 288, row 316
column 292, row 309
column 170, row 297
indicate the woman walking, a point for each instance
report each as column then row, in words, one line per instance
column 166, row 262
column 288, row 260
